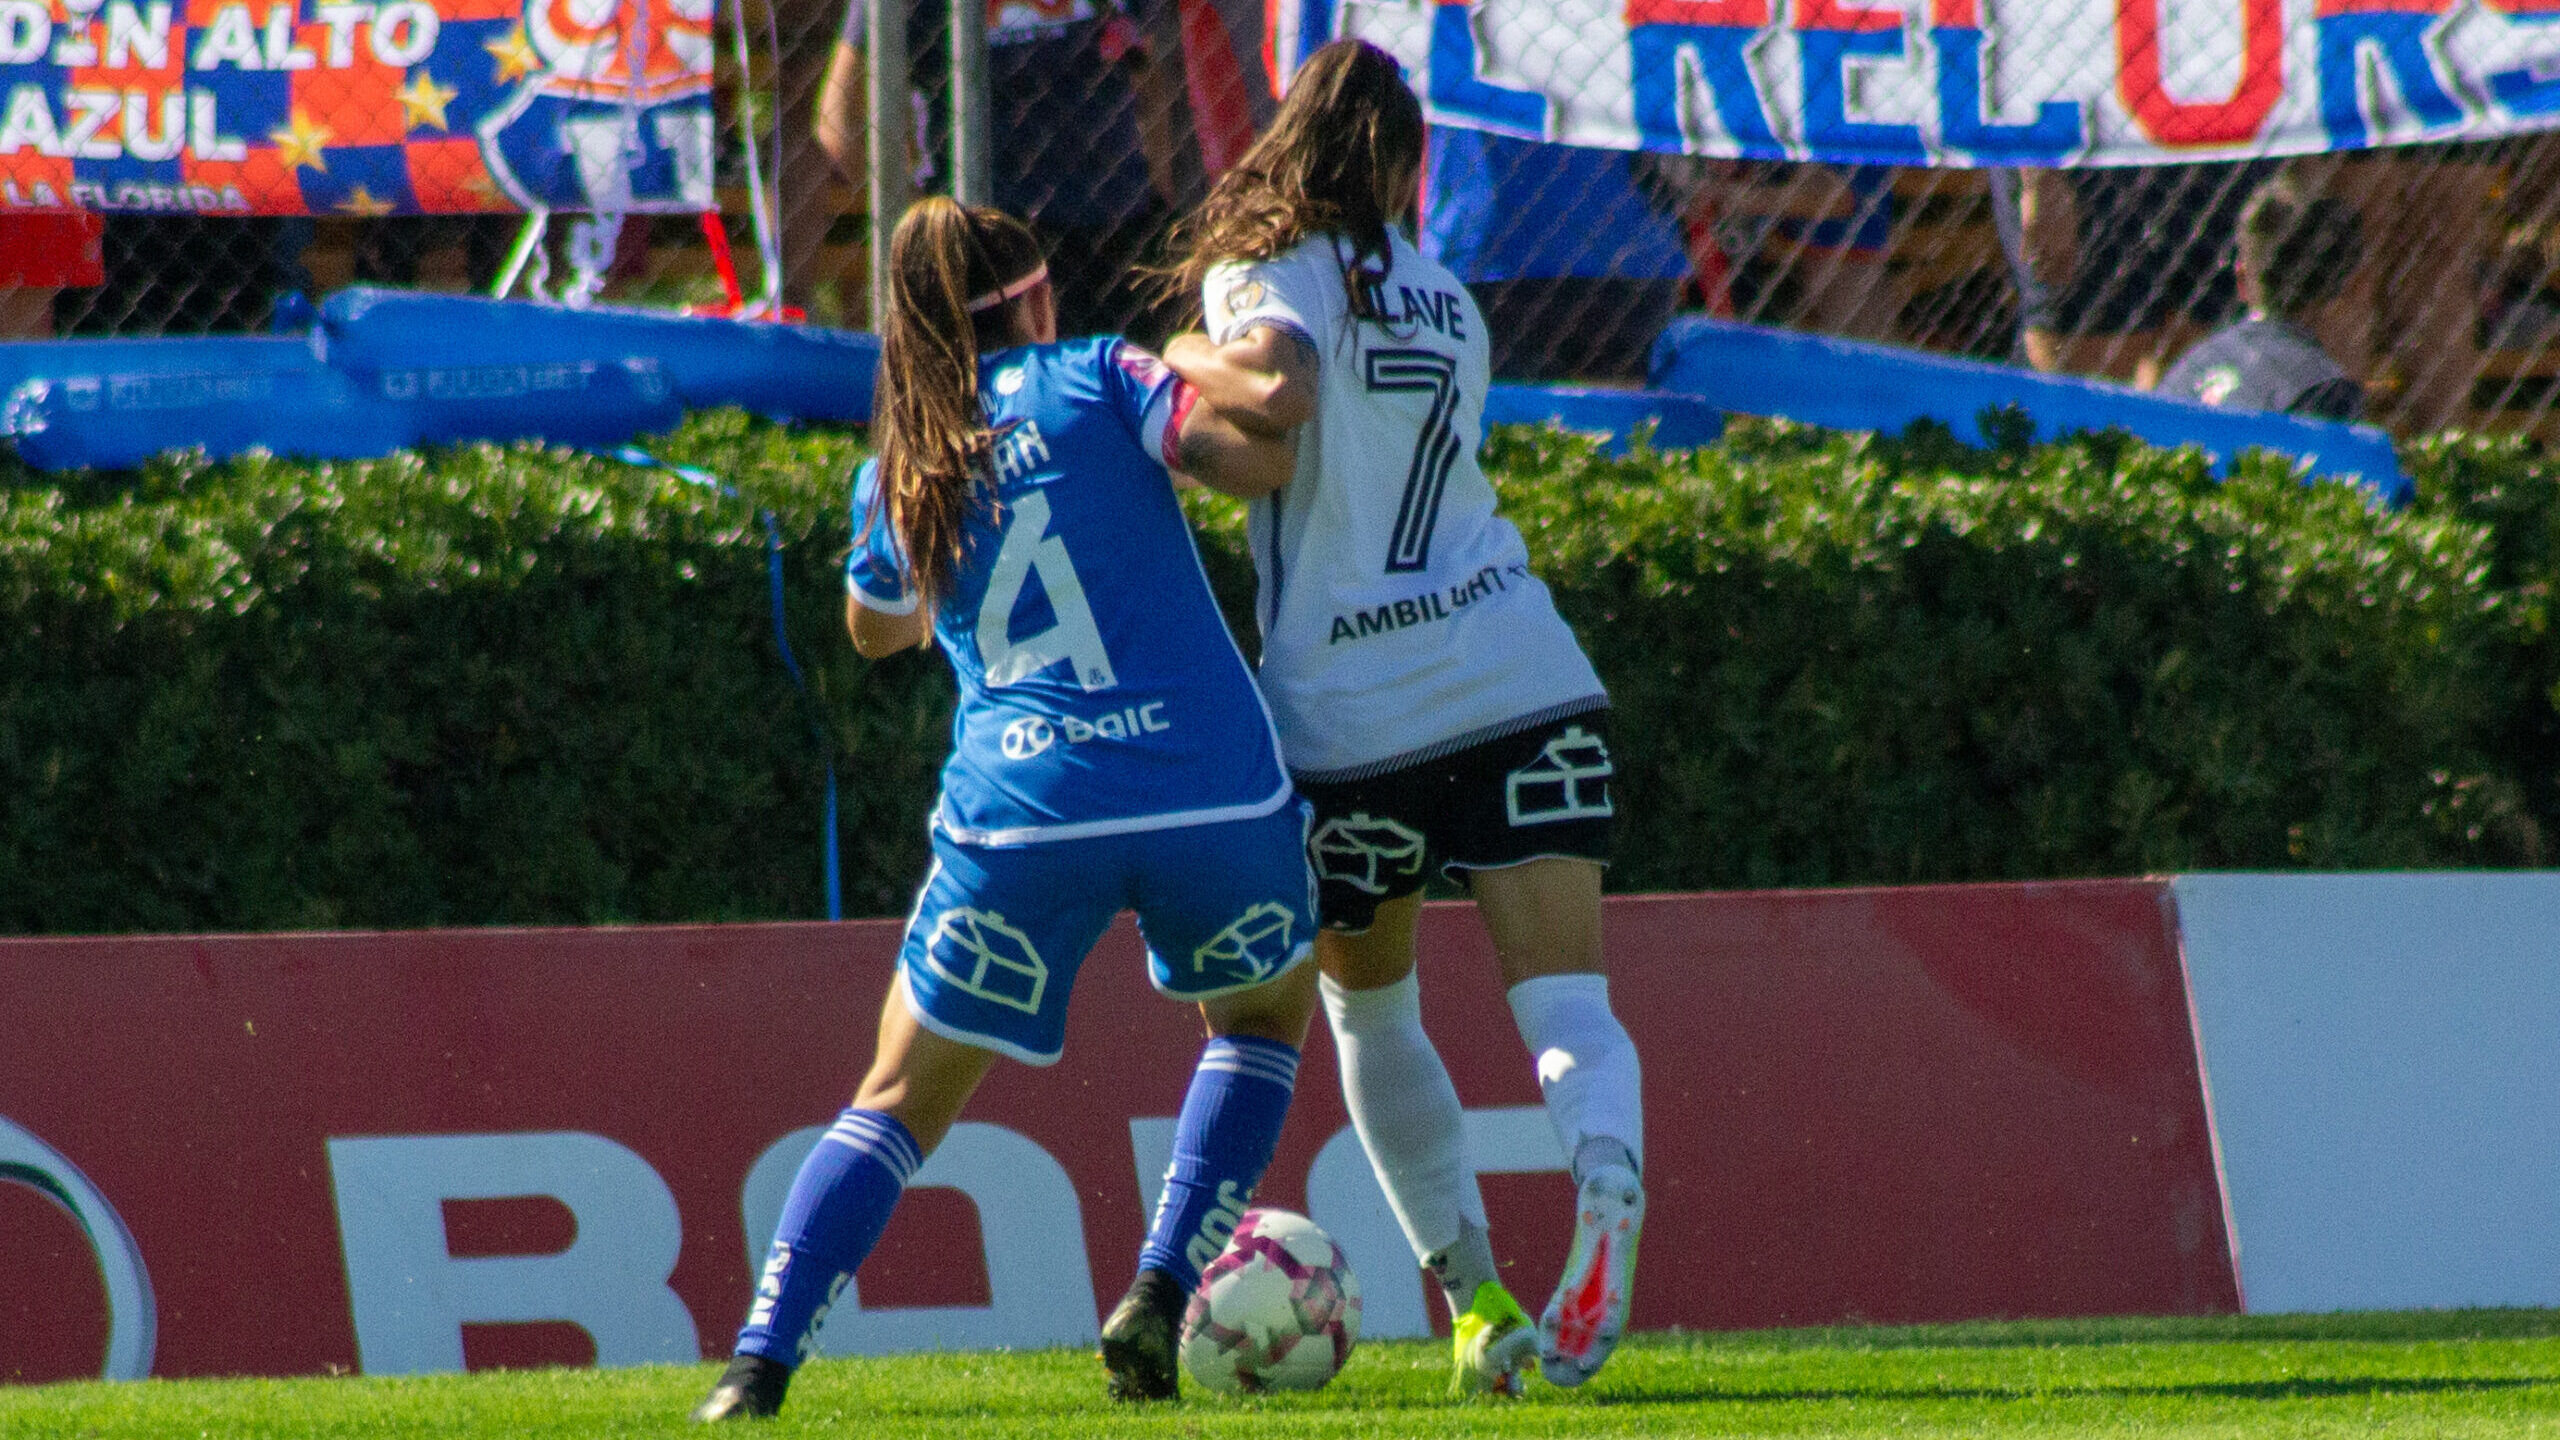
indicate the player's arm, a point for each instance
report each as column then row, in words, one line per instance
column 1263, row 380
column 878, row 632
column 1210, row 447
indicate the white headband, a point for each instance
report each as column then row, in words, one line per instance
column 1014, row 291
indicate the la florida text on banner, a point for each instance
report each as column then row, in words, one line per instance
column 1965, row 82
column 331, row 107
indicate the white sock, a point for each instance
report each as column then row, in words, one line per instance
column 1587, row 1068
column 1406, row 1111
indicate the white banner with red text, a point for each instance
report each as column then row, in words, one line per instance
column 1964, row 82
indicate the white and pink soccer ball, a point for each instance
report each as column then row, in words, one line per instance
column 1279, row 1310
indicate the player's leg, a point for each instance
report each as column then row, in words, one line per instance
column 1406, row 1112
column 1531, row 850
column 841, row 1198
column 1228, row 916
column 1545, row 919
column 988, row 963
column 1544, row 916
column 1369, row 848
column 1368, row 855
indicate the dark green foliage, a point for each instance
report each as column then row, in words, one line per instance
column 521, row 686
column 1843, row 661
column 477, row 687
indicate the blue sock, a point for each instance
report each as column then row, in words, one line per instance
column 1230, row 1120
column 839, row 1203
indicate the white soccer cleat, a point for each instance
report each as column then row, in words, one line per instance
column 1589, row 1312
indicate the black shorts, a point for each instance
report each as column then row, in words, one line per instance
column 1515, row 798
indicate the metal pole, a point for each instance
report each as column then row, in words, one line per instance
column 892, row 120
column 972, row 112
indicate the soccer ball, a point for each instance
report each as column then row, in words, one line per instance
column 1280, row 1310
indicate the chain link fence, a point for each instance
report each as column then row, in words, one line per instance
column 1108, row 118
column 2445, row 306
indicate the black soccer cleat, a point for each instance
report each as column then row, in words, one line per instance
column 1141, row 1339
column 750, row 1389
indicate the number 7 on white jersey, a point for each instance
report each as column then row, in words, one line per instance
column 1435, row 447
column 1073, row 637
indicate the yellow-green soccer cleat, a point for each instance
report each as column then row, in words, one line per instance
column 1494, row 1341
column 1589, row 1313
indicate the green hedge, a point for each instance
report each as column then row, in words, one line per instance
column 521, row 686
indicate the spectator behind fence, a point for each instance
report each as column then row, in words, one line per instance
column 2408, row 320
column 2117, row 269
column 2291, row 255
column 1084, row 135
column 40, row 257
column 804, row 210
column 1576, row 267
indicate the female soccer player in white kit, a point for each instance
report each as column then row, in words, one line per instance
column 1431, row 702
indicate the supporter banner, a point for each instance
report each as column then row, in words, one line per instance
column 332, row 107
column 401, row 1153
column 1966, row 82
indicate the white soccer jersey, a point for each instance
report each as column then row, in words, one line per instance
column 1399, row 618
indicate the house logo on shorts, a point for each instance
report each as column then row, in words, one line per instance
column 1362, row 850
column 1259, row 942
column 979, row 954
column 1568, row 781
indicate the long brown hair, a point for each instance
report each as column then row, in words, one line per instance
column 949, row 273
column 1348, row 134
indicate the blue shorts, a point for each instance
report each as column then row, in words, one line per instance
column 997, row 934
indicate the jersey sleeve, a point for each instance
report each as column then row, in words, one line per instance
column 1149, row 398
column 1278, row 293
column 876, row 572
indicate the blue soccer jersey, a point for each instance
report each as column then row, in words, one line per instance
column 1100, row 693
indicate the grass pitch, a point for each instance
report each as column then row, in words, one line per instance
column 2462, row 1373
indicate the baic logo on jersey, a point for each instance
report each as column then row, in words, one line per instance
column 1568, row 781
column 1259, row 942
column 981, row 955
column 1031, row 735
column 1364, row 850
column 1027, row 737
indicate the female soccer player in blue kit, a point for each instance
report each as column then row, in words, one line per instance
column 1110, row 752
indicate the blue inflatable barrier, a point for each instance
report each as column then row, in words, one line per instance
column 564, row 402
column 25, row 360
column 118, row 419
column 1681, row 422
column 385, row 369
column 1852, row 385
column 787, row 372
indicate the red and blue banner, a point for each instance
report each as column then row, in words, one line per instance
column 1965, row 82
column 329, row 107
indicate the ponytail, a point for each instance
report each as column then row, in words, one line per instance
column 955, row 279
